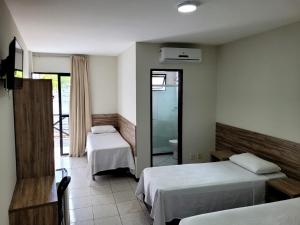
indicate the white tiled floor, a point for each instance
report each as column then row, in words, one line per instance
column 109, row 200
column 164, row 160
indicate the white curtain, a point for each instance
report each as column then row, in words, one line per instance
column 80, row 112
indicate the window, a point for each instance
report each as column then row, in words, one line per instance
column 18, row 73
column 159, row 82
column 61, row 86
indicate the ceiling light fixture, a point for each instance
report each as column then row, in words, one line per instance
column 188, row 6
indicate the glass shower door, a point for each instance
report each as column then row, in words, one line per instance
column 165, row 119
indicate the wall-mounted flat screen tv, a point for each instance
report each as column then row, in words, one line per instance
column 14, row 76
column 11, row 68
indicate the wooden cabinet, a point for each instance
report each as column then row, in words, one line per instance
column 34, row 129
column 34, row 201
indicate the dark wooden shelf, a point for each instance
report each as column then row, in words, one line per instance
column 287, row 186
column 34, row 192
column 221, row 155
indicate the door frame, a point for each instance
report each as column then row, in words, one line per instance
column 61, row 116
column 180, row 107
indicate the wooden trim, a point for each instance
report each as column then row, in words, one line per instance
column 282, row 152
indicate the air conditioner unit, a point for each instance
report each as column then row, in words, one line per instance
column 180, row 55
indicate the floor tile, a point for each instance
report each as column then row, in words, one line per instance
column 124, row 196
column 120, row 186
column 82, row 214
column 164, row 160
column 105, row 211
column 129, row 207
column 143, row 206
column 119, row 180
column 78, row 171
column 132, row 180
column 79, row 192
column 71, row 162
column 93, row 202
column 148, row 219
column 101, row 180
column 80, row 202
column 138, row 218
column 75, row 184
column 100, row 190
column 108, row 221
column 133, row 185
column 102, row 199
column 87, row 222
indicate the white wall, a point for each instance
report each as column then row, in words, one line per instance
column 7, row 140
column 48, row 63
column 199, row 101
column 103, row 84
column 102, row 77
column 258, row 83
column 127, row 84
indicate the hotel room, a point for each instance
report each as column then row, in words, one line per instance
column 149, row 112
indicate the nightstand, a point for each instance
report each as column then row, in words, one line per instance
column 281, row 189
column 221, row 155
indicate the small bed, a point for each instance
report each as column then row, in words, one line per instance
column 107, row 150
column 180, row 191
column 277, row 213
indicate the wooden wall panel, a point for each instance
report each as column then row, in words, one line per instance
column 127, row 130
column 282, row 152
column 34, row 129
column 105, row 119
column 125, row 127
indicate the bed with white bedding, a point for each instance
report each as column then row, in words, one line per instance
column 277, row 213
column 181, row 191
column 108, row 151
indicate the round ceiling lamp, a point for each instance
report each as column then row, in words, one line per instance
column 188, row 6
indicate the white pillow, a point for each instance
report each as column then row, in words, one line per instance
column 103, row 129
column 254, row 163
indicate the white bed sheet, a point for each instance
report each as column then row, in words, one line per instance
column 108, row 151
column 185, row 190
column 277, row 213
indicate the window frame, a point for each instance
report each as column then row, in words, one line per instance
column 159, row 87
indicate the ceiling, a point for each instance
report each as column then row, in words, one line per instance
column 108, row 27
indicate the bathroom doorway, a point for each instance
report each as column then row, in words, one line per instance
column 166, row 116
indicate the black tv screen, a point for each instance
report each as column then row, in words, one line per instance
column 14, row 76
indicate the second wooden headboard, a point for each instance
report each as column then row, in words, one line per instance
column 282, row 152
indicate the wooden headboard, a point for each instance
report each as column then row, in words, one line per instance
column 105, row 119
column 125, row 127
column 282, row 152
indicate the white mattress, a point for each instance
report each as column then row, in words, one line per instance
column 278, row 213
column 185, row 190
column 108, row 151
